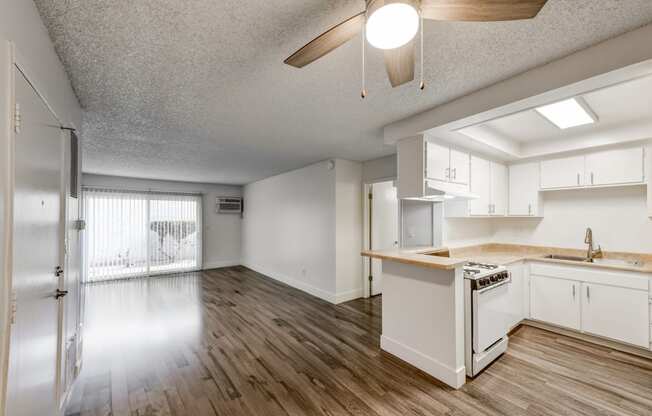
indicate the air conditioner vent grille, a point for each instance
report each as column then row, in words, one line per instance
column 229, row 205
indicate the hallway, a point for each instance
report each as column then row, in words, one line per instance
column 233, row 342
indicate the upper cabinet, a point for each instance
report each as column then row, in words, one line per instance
column 615, row 166
column 566, row 172
column 429, row 170
column 446, row 164
column 488, row 181
column 622, row 166
column 524, row 197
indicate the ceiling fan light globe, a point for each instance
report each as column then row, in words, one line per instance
column 392, row 26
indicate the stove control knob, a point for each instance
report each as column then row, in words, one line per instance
column 493, row 278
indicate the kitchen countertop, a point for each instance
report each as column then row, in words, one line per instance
column 505, row 254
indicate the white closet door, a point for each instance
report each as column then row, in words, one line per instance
column 37, row 252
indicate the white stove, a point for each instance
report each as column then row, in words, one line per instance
column 486, row 318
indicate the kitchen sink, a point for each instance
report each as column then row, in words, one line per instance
column 567, row 258
column 618, row 262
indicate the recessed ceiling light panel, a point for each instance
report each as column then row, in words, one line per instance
column 568, row 113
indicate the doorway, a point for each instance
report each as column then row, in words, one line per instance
column 382, row 229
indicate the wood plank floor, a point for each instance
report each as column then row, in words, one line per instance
column 233, row 342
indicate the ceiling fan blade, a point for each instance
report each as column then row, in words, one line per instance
column 327, row 41
column 399, row 63
column 480, row 10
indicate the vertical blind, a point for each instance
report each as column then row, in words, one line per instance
column 132, row 234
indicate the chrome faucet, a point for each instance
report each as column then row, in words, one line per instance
column 591, row 253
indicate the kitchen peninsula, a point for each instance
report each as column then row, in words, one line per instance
column 423, row 312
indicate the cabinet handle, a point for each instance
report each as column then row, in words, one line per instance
column 578, row 178
column 447, row 173
column 454, row 173
column 588, row 293
column 591, row 178
column 529, row 209
column 573, row 292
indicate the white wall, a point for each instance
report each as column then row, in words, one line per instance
column 221, row 233
column 21, row 24
column 348, row 230
column 378, row 170
column 288, row 232
column 618, row 217
column 304, row 228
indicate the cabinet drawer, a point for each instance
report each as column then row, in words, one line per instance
column 631, row 280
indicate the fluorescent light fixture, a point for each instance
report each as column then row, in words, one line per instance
column 568, row 113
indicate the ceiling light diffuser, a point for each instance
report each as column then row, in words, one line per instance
column 568, row 113
column 392, row 26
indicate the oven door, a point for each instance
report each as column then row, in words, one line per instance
column 490, row 315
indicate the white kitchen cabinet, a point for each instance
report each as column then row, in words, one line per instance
column 498, row 189
column 480, row 186
column 488, row 182
column 616, row 312
column 615, row 166
column 555, row 301
column 567, row 172
column 524, row 197
column 437, row 162
column 459, row 167
column 446, row 164
column 516, row 294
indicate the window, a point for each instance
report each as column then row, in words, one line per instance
column 132, row 234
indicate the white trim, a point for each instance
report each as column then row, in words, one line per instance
column 6, row 188
column 219, row 264
column 453, row 377
column 349, row 295
column 297, row 284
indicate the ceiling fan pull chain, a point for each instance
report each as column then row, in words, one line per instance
column 363, row 93
column 422, row 85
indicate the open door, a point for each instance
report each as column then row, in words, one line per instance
column 384, row 227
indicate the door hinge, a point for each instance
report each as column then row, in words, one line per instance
column 371, row 196
column 12, row 311
column 17, row 118
column 79, row 225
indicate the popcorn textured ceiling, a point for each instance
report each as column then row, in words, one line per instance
column 196, row 90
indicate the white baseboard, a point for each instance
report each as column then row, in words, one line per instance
column 453, row 377
column 297, row 284
column 218, row 264
column 349, row 295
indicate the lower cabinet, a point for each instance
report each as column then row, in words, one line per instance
column 555, row 301
column 516, row 309
column 616, row 312
column 609, row 304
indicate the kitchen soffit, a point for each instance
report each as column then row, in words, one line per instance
column 623, row 111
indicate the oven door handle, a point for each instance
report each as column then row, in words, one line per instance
column 486, row 289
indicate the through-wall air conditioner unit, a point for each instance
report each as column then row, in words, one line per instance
column 229, row 205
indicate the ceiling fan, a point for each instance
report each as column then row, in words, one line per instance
column 391, row 25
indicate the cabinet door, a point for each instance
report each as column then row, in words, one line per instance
column 437, row 162
column 615, row 312
column 555, row 301
column 459, row 172
column 498, row 189
column 524, row 190
column 615, row 166
column 481, row 186
column 515, row 298
column 566, row 172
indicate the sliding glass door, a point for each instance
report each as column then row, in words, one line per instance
column 131, row 234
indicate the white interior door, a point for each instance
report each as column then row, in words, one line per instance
column 31, row 386
column 384, row 227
